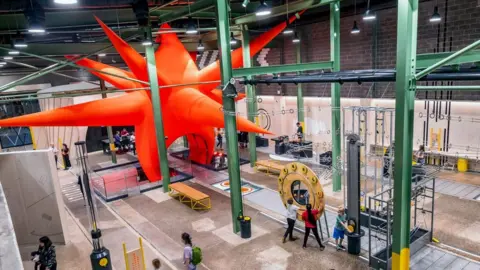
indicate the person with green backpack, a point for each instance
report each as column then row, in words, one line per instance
column 192, row 256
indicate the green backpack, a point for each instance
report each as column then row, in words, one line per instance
column 196, row 255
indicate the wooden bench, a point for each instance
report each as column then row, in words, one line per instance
column 269, row 165
column 186, row 194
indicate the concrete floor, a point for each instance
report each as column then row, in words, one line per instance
column 160, row 220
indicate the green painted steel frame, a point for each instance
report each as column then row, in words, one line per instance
column 251, row 96
column 157, row 113
column 191, row 9
column 335, row 97
column 277, row 69
column 447, row 60
column 429, row 59
column 404, row 112
column 448, row 88
column 223, row 25
column 300, row 103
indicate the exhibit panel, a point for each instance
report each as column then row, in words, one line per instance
column 9, row 251
column 33, row 195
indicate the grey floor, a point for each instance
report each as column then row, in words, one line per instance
column 460, row 190
column 426, row 258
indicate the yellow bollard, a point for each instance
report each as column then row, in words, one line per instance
column 462, row 165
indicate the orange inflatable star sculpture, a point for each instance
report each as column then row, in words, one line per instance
column 193, row 111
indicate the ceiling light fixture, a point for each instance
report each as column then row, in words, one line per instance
column 435, row 16
column 13, row 52
column 355, row 29
column 102, row 54
column 245, row 3
column 3, row 63
column 288, row 30
column 200, row 46
column 147, row 42
column 233, row 40
column 65, row 2
column 263, row 9
column 35, row 16
column 19, row 41
column 296, row 39
column 8, row 58
column 191, row 27
column 369, row 15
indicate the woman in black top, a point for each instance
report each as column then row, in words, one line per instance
column 47, row 256
column 66, row 156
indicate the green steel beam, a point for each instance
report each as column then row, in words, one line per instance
column 229, row 114
column 54, row 67
column 55, row 73
column 447, row 60
column 448, row 88
column 157, row 113
column 300, row 104
column 407, row 20
column 335, row 97
column 252, row 71
column 191, row 9
column 111, row 141
column 251, row 96
column 426, row 60
column 61, row 64
column 283, row 9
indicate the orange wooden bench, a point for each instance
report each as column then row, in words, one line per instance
column 186, row 194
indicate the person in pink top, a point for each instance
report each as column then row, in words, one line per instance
column 310, row 218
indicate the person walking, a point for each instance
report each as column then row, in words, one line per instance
column 219, row 139
column 66, row 157
column 46, row 257
column 156, row 264
column 310, row 217
column 291, row 217
column 55, row 153
column 340, row 228
column 188, row 252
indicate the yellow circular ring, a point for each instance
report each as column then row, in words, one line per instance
column 308, row 179
column 293, row 166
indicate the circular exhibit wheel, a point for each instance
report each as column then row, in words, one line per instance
column 299, row 183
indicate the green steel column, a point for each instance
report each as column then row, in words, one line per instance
column 251, row 96
column 111, row 142
column 404, row 110
column 300, row 106
column 185, row 141
column 223, row 27
column 335, row 96
column 157, row 112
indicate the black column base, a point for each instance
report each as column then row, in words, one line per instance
column 101, row 259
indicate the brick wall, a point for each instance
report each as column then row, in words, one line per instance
column 463, row 26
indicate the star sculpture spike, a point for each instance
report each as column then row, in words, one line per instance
column 193, row 111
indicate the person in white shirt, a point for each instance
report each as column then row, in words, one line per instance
column 291, row 217
column 55, row 153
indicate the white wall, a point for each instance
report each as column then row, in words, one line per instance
column 463, row 134
column 33, row 193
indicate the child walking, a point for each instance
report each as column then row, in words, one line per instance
column 340, row 227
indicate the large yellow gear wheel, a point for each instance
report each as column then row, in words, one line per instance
column 297, row 171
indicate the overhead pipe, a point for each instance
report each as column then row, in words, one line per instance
column 342, row 77
column 178, row 13
column 290, row 8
